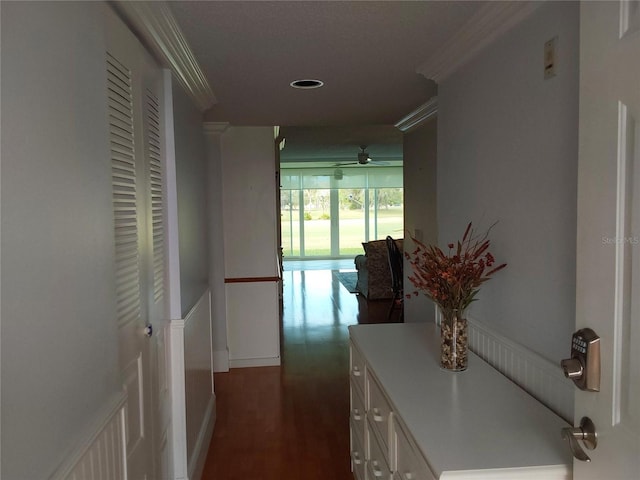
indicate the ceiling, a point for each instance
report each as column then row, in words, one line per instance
column 365, row 52
column 341, row 144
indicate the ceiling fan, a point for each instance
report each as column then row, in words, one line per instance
column 363, row 159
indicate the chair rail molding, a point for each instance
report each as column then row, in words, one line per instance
column 417, row 117
column 159, row 31
column 490, row 22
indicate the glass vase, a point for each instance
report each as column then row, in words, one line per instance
column 454, row 342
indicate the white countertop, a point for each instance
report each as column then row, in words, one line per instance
column 472, row 420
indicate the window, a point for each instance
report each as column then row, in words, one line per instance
column 329, row 212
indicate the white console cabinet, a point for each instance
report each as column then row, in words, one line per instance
column 411, row 420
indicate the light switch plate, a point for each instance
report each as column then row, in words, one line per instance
column 550, row 58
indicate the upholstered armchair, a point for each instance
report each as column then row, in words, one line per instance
column 374, row 274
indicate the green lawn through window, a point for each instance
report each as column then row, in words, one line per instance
column 317, row 243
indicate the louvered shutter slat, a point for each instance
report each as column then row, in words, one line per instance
column 123, row 182
column 155, row 194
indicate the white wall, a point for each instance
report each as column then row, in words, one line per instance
column 507, row 151
column 249, row 199
column 420, row 212
column 250, row 245
column 59, row 342
column 191, row 177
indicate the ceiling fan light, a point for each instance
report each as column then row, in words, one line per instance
column 363, row 157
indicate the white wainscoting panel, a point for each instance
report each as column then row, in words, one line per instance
column 193, row 397
column 253, row 324
column 200, row 397
column 540, row 377
column 102, row 455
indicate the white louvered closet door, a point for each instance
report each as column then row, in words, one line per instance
column 153, row 121
column 134, row 90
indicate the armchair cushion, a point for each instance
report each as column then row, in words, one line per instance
column 374, row 275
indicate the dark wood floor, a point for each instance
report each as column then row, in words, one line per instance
column 292, row 421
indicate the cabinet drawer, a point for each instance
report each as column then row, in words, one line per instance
column 379, row 412
column 358, row 412
column 357, row 454
column 409, row 464
column 377, row 464
column 357, row 368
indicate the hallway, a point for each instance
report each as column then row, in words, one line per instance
column 292, row 422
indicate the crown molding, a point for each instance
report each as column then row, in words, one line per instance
column 418, row 116
column 490, row 22
column 214, row 128
column 156, row 26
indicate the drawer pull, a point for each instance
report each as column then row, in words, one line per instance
column 377, row 471
column 356, row 371
column 356, row 458
column 356, row 414
column 377, row 416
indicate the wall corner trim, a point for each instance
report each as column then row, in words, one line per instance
column 221, row 360
column 155, row 24
column 215, row 128
column 418, row 116
column 486, row 25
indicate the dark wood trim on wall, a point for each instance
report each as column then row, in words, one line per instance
column 252, row 279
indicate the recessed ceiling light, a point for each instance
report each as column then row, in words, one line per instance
column 307, row 84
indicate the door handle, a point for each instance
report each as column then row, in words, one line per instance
column 583, row 367
column 585, row 433
column 148, row 330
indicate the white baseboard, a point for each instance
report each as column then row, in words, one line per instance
column 221, row 360
column 540, row 377
column 254, row 362
column 199, row 456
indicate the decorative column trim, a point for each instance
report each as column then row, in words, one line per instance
column 490, row 22
column 213, row 132
column 159, row 30
column 170, row 192
column 178, row 400
column 418, row 116
column 214, row 128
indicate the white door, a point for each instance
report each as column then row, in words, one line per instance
column 608, row 255
column 154, row 258
column 134, row 89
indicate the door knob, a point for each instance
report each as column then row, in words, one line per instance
column 585, row 433
column 148, row 330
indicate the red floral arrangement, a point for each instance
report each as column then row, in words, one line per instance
column 453, row 280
